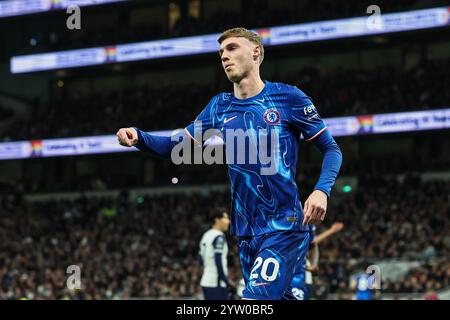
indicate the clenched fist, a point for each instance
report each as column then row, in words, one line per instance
column 127, row 137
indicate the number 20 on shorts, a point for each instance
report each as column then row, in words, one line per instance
column 265, row 264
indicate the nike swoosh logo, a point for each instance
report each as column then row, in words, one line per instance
column 229, row 119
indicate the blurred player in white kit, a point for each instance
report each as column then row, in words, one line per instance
column 214, row 251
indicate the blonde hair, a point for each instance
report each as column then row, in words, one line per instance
column 244, row 33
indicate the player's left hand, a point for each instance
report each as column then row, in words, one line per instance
column 315, row 208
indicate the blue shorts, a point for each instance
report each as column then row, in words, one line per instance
column 268, row 263
column 215, row 293
column 299, row 288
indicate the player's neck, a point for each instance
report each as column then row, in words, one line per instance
column 248, row 87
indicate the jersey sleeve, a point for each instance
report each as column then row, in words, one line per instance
column 218, row 248
column 304, row 115
column 219, row 244
column 159, row 146
column 204, row 121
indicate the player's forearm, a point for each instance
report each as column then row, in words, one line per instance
column 160, row 146
column 321, row 237
column 222, row 276
column 331, row 163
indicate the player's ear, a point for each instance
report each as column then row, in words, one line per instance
column 256, row 53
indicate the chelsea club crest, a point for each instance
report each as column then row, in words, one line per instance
column 272, row 117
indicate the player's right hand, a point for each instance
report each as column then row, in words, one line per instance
column 315, row 208
column 127, row 137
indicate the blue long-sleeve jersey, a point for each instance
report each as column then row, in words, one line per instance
column 262, row 203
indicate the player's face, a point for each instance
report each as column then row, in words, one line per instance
column 224, row 222
column 237, row 55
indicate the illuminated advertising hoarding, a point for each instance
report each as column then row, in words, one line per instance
column 9, row 8
column 298, row 33
column 339, row 127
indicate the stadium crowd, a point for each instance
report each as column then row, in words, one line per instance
column 123, row 250
column 427, row 277
column 386, row 219
column 147, row 247
column 340, row 92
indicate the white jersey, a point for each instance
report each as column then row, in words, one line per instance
column 308, row 274
column 212, row 242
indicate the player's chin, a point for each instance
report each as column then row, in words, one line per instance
column 233, row 77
